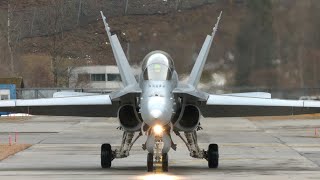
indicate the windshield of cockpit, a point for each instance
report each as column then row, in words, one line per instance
column 158, row 66
column 157, row 71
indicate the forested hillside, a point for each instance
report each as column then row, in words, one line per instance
column 269, row 43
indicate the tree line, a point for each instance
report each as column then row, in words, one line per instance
column 277, row 43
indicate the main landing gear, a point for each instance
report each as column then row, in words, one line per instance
column 211, row 155
column 106, row 156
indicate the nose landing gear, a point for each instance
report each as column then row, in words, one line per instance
column 165, row 162
column 150, row 162
column 158, row 160
column 157, row 165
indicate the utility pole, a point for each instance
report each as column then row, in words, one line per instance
column 126, row 7
column 79, row 11
column 128, row 51
column 177, row 4
column 9, row 39
column 34, row 15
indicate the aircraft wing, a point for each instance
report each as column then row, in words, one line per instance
column 71, row 94
column 252, row 94
column 237, row 106
column 86, row 106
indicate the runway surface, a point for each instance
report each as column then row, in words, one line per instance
column 69, row 148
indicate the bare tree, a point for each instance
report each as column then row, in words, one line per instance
column 8, row 37
column 54, row 20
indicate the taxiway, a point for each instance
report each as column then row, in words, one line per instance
column 69, row 148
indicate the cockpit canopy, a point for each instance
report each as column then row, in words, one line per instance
column 157, row 65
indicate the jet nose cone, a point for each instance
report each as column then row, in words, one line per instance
column 156, row 110
column 155, row 113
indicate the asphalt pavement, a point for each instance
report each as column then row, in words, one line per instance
column 69, row 148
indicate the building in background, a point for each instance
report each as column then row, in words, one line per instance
column 95, row 77
column 8, row 87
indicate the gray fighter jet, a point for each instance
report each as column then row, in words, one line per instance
column 159, row 106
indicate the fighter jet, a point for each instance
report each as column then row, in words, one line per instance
column 158, row 106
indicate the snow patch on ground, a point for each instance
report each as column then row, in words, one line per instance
column 16, row 115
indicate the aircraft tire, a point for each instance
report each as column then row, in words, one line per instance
column 106, row 155
column 165, row 162
column 150, row 162
column 213, row 156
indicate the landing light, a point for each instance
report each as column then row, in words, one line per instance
column 158, row 129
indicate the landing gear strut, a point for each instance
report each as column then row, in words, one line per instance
column 107, row 155
column 157, row 160
column 212, row 155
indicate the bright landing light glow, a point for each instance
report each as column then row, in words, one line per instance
column 157, row 129
column 158, row 177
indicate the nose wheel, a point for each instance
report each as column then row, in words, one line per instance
column 165, row 163
column 157, row 166
column 213, row 156
column 150, row 162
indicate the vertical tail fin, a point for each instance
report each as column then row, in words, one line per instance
column 126, row 73
column 196, row 72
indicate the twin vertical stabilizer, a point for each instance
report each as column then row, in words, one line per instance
column 126, row 73
column 202, row 57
